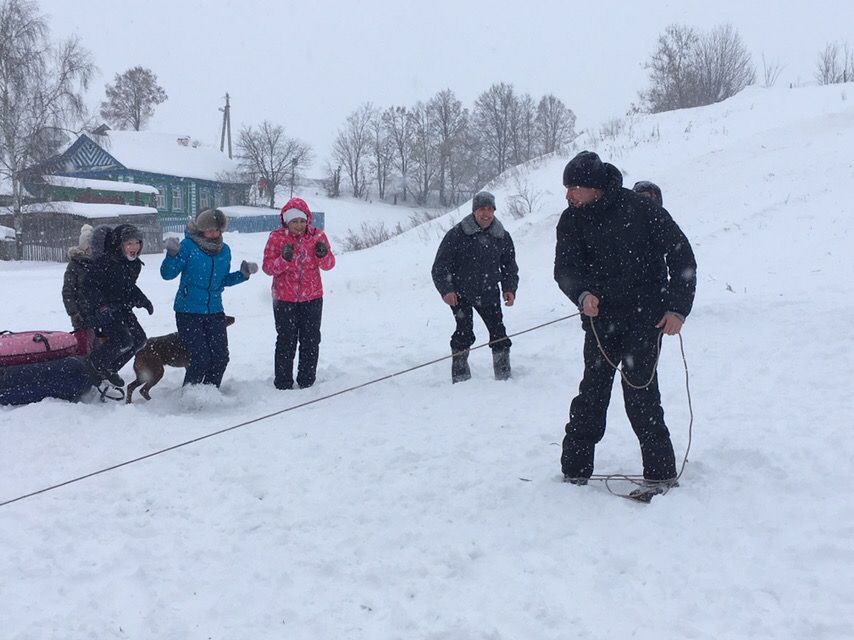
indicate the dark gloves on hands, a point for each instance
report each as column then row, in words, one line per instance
column 248, row 268
column 172, row 246
column 145, row 303
column 288, row 251
column 105, row 315
column 320, row 249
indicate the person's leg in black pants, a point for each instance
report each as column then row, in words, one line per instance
column 309, row 315
column 461, row 340
column 217, row 339
column 285, row 315
column 643, row 406
column 489, row 309
column 192, row 331
column 589, row 408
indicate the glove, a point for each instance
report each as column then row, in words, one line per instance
column 145, row 303
column 105, row 315
column 172, row 246
column 288, row 251
column 248, row 268
column 320, row 249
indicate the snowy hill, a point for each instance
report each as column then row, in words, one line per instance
column 417, row 509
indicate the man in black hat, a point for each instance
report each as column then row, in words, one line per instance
column 474, row 258
column 626, row 264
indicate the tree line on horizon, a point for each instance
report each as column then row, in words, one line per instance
column 436, row 150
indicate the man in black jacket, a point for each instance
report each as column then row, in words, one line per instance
column 475, row 256
column 626, row 264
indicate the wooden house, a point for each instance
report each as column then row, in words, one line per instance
column 187, row 175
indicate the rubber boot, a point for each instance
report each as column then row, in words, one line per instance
column 501, row 364
column 460, row 371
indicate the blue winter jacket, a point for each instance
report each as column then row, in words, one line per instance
column 203, row 277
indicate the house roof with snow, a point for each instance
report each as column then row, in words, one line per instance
column 98, row 185
column 158, row 153
column 86, row 209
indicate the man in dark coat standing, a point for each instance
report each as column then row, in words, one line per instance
column 474, row 258
column 626, row 264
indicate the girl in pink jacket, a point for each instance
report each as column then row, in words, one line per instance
column 294, row 256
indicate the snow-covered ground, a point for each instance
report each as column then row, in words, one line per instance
column 417, row 509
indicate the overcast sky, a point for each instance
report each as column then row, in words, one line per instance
column 307, row 64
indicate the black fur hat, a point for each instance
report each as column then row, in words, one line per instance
column 585, row 170
column 645, row 187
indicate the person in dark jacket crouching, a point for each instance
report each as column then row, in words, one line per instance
column 110, row 294
column 474, row 257
column 626, row 264
column 203, row 261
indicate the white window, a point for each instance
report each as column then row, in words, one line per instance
column 177, row 199
column 160, row 198
column 205, row 199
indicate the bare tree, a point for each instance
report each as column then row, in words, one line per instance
column 382, row 152
column 332, row 180
column 131, row 99
column 555, row 124
column 398, row 124
column 424, row 151
column 41, row 85
column 723, row 65
column 770, row 72
column 523, row 114
column 690, row 70
column 492, row 115
column 835, row 64
column 352, row 147
column 266, row 152
column 450, row 120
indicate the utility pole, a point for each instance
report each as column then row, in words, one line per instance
column 293, row 175
column 226, row 125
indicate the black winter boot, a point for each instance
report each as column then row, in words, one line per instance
column 460, row 371
column 501, row 364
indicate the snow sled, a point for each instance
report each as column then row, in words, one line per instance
column 64, row 378
column 28, row 347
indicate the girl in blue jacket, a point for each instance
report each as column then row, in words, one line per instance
column 203, row 260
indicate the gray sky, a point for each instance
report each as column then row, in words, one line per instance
column 307, row 64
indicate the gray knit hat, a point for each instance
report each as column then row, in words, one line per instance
column 483, row 199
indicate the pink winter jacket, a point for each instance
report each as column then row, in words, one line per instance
column 297, row 279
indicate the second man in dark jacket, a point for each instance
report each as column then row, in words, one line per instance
column 474, row 258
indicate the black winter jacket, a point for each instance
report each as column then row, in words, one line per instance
column 111, row 280
column 472, row 261
column 628, row 252
column 72, row 287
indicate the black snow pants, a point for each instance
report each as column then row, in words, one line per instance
column 631, row 340
column 297, row 322
column 488, row 308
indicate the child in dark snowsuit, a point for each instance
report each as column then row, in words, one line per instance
column 110, row 294
column 203, row 261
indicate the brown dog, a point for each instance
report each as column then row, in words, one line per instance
column 158, row 353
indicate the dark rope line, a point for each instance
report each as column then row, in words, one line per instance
column 276, row 413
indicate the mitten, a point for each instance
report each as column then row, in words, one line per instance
column 104, row 317
column 320, row 249
column 145, row 303
column 288, row 251
column 248, row 268
column 172, row 246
